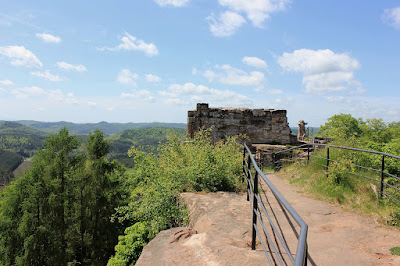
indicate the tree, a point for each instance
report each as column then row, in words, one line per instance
column 59, row 211
column 342, row 127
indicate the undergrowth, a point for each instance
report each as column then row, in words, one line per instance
column 338, row 187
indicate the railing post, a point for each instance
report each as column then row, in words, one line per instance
column 255, row 207
column 308, row 154
column 248, row 177
column 244, row 157
column 382, row 175
column 327, row 162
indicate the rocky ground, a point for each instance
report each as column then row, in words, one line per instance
column 220, row 233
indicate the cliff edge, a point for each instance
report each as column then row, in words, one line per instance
column 219, row 233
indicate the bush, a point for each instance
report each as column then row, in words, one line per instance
column 155, row 182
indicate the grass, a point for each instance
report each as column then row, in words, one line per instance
column 350, row 191
column 395, row 251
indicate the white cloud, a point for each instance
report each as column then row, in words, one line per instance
column 92, row 104
column 257, row 11
column 48, row 37
column 174, row 3
column 20, row 56
column 189, row 94
column 255, row 62
column 57, row 96
column 139, row 95
column 227, row 74
column 131, row 43
column 66, row 66
column 126, row 77
column 274, row 91
column 6, row 82
column 152, row 78
column 323, row 70
column 392, row 17
column 226, row 25
column 47, row 75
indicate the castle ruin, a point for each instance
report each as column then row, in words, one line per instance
column 259, row 125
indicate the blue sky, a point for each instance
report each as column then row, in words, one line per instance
column 146, row 61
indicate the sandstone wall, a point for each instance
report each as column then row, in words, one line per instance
column 260, row 125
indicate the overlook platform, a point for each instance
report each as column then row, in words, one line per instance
column 221, row 233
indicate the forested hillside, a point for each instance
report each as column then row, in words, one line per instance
column 20, row 139
column 84, row 128
column 144, row 139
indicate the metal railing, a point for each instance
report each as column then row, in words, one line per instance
column 282, row 235
column 389, row 183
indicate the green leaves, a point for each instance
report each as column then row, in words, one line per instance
column 59, row 211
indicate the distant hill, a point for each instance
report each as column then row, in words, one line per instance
column 144, row 139
column 20, row 139
column 84, row 128
column 9, row 127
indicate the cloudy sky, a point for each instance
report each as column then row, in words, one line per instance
column 153, row 60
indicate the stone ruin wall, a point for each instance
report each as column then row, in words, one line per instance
column 259, row 125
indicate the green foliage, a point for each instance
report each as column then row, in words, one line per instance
column 155, row 182
column 20, row 139
column 145, row 139
column 395, row 251
column 341, row 127
column 345, row 182
column 9, row 161
column 59, row 211
column 131, row 244
column 84, row 129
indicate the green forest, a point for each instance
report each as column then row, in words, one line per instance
column 26, row 141
column 108, row 129
column 76, row 205
column 79, row 208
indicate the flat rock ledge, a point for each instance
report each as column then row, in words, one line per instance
column 219, row 233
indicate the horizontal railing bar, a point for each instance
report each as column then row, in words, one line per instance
column 367, row 168
column 301, row 245
column 355, row 149
column 276, row 231
column 363, row 176
column 294, row 214
column 318, row 157
column 262, row 243
column 250, row 186
column 245, row 161
column 391, row 197
column 268, row 237
column 391, row 175
column 391, row 186
column 297, row 147
column 245, row 170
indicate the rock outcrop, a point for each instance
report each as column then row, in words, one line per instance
column 219, row 233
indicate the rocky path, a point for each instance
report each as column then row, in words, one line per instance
column 337, row 237
column 220, row 233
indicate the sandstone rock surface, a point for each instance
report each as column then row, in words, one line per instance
column 220, row 234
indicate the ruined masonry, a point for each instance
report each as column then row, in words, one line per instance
column 260, row 125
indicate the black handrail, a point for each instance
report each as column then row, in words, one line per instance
column 381, row 171
column 256, row 200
